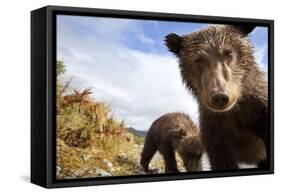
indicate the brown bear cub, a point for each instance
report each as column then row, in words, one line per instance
column 169, row 133
column 217, row 64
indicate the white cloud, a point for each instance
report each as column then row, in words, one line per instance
column 259, row 39
column 138, row 86
column 261, row 56
column 145, row 39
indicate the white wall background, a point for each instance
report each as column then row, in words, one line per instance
column 15, row 95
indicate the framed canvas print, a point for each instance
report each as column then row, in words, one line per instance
column 126, row 96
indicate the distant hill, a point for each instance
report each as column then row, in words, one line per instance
column 137, row 132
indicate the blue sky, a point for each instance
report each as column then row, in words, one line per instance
column 127, row 64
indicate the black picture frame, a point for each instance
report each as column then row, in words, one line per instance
column 43, row 87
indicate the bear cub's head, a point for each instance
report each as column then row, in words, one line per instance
column 190, row 150
column 214, row 63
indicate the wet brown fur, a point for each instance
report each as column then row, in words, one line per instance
column 239, row 133
column 169, row 133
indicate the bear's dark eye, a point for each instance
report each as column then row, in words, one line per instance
column 228, row 54
column 198, row 60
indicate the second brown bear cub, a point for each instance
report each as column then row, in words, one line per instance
column 169, row 133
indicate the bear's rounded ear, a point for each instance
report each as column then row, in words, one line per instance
column 245, row 29
column 174, row 43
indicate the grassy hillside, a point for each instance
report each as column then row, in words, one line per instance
column 90, row 140
column 137, row 132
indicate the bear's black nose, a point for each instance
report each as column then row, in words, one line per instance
column 220, row 100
